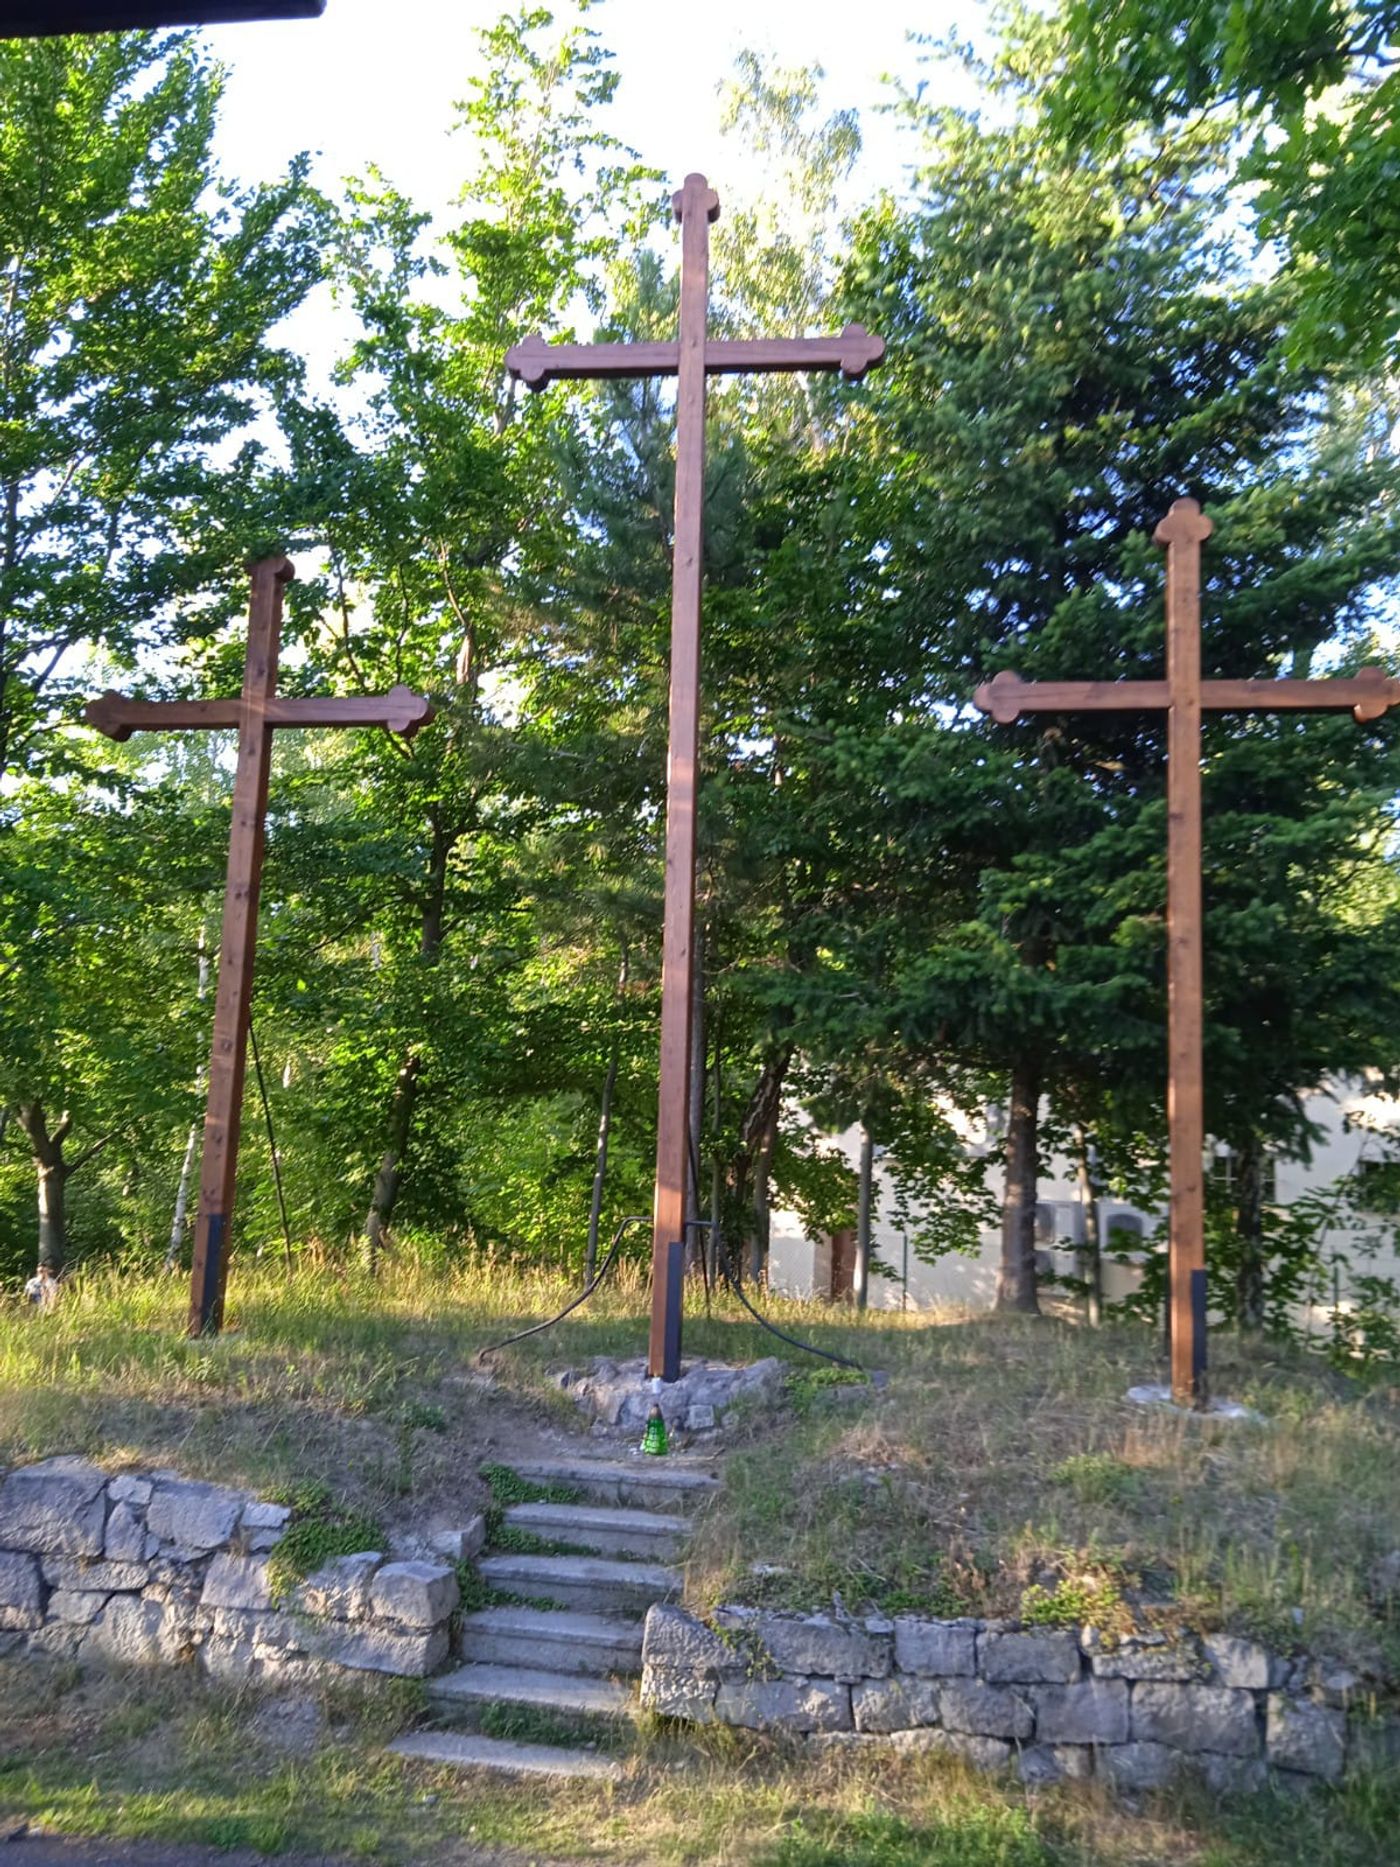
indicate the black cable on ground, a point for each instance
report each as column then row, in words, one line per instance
column 614, row 1248
column 726, row 1264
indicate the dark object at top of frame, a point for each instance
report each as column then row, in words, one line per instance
column 34, row 19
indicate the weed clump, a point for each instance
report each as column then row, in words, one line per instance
column 321, row 1529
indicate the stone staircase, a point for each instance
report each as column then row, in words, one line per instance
column 563, row 1640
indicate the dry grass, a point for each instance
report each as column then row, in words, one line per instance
column 168, row 1759
column 1001, row 1454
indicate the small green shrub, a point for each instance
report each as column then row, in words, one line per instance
column 320, row 1529
column 508, row 1487
column 1097, row 1478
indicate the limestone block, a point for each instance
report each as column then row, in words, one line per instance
column 814, row 1643
column 262, row 1526
column 460, row 1545
column 339, row 1589
column 940, row 1649
column 1196, row 1717
column 1046, row 1656
column 385, row 1650
column 1243, row 1664
column 676, row 1692
column 230, row 1661
column 981, row 1710
column 105, row 1578
column 126, row 1489
column 414, row 1594
column 1140, row 1765
column 675, row 1640
column 237, row 1582
column 76, row 1609
column 979, row 1752
column 1306, row 1737
column 136, row 1632
column 1093, row 1711
column 58, row 1507
column 785, row 1704
column 1232, row 1776
column 21, row 1591
column 1040, row 1764
column 1144, row 1656
column 192, row 1515
column 885, row 1705
column 125, row 1537
column 60, row 1640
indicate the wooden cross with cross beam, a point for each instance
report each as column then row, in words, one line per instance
column 691, row 359
column 255, row 715
column 1183, row 695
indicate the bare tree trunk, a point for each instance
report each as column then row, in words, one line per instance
column 386, row 1181
column 1091, row 1257
column 1248, row 1165
column 175, row 1250
column 600, row 1162
column 390, row 1175
column 860, row 1277
column 752, row 1159
column 712, row 1237
column 51, row 1171
column 1016, row 1288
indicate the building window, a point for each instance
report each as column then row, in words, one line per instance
column 1224, row 1175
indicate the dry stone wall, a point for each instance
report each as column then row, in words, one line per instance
column 152, row 1568
column 1054, row 1703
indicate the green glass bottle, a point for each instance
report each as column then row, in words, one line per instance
column 654, row 1438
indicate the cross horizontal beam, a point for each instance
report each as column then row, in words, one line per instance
column 853, row 352
column 1366, row 695
column 401, row 710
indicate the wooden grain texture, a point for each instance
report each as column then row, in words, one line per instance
column 538, row 363
column 696, row 206
column 1182, row 532
column 1367, row 695
column 234, row 997
column 255, row 715
column 690, row 359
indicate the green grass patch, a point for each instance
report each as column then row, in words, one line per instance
column 321, row 1528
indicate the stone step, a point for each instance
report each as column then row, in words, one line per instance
column 552, row 1641
column 595, row 1584
column 612, row 1532
column 461, row 1750
column 564, row 1693
column 673, row 1483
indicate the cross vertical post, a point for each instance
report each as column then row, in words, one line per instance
column 690, row 359
column 234, row 997
column 1367, row 695
column 1182, row 533
column 696, row 206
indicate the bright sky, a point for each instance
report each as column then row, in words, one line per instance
column 375, row 80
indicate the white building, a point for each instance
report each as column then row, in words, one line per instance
column 1359, row 1128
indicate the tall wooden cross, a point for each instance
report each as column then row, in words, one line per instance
column 691, row 359
column 1183, row 695
column 254, row 715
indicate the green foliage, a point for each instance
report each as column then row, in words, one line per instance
column 508, row 1487
column 1097, row 1478
column 1092, row 1598
column 320, row 1529
column 974, row 1833
column 1312, row 84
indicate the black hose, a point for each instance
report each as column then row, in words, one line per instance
column 726, row 1265
column 613, row 1249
